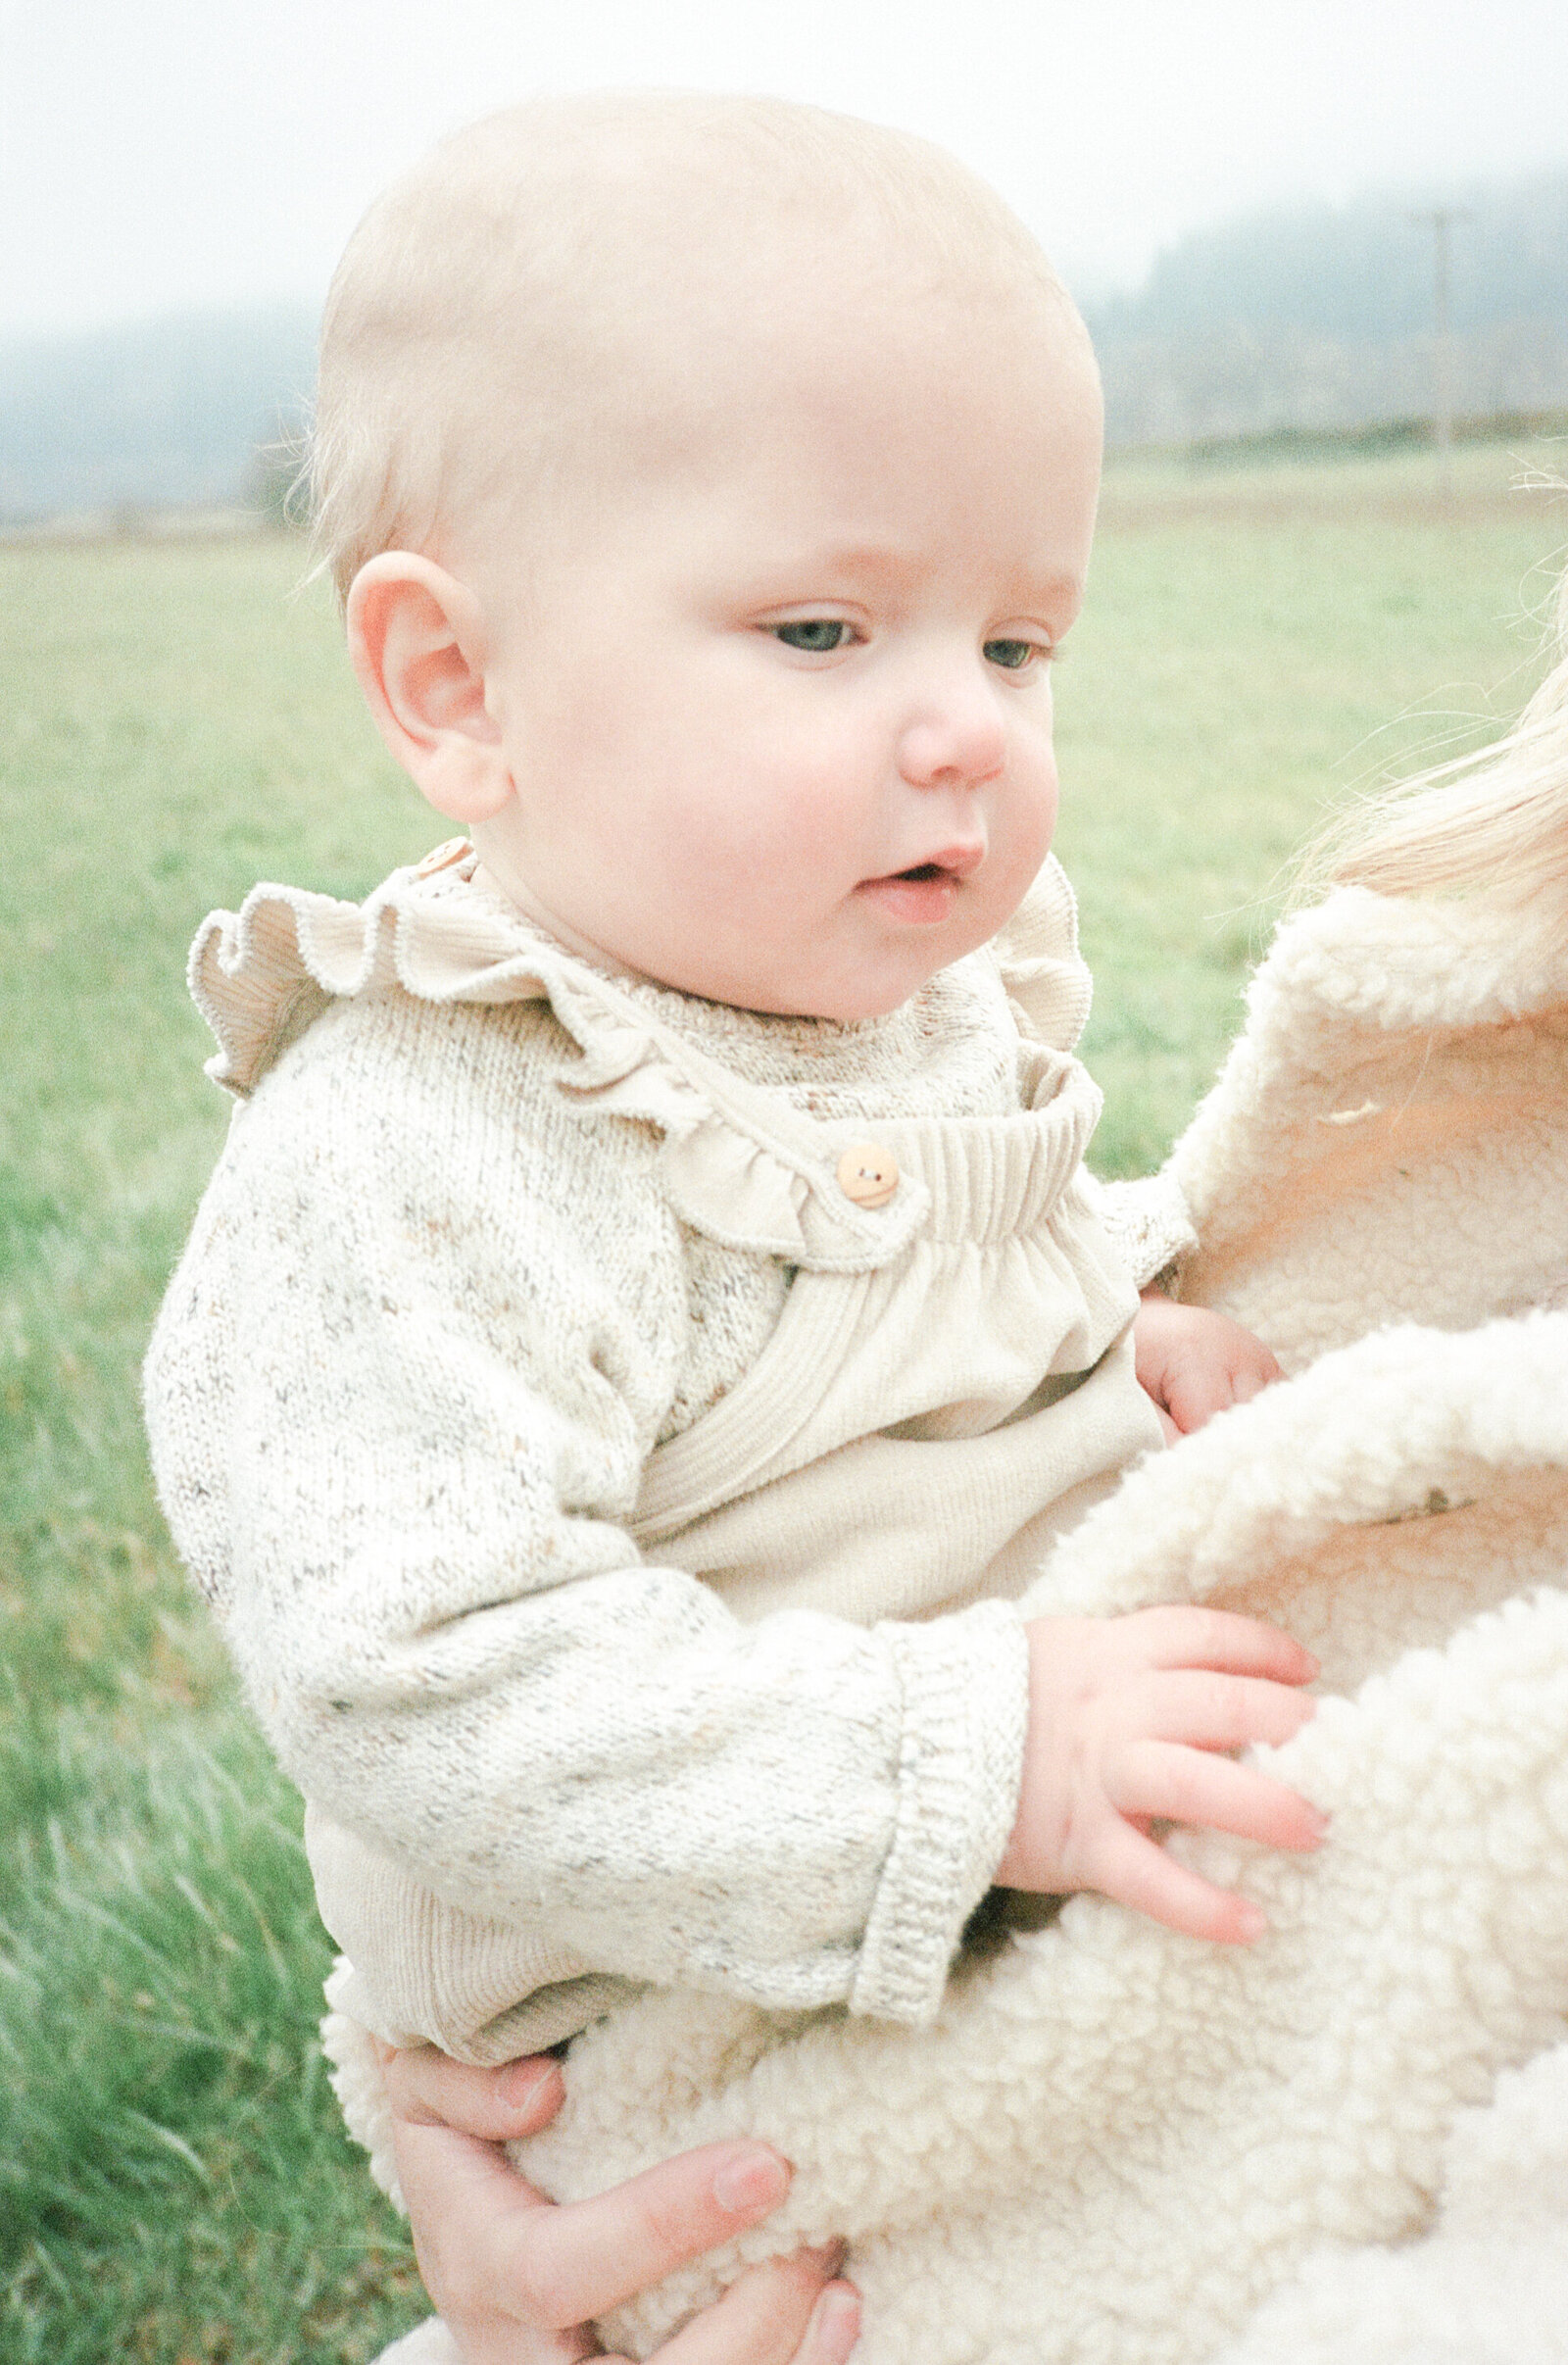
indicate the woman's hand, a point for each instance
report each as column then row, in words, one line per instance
column 518, row 2280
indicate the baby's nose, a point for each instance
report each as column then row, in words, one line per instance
column 954, row 740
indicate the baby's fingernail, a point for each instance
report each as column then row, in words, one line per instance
column 751, row 2179
column 1251, row 1922
column 828, row 2259
column 835, row 2327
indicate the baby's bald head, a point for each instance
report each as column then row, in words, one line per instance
column 577, row 290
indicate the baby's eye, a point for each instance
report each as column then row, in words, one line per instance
column 1012, row 656
column 819, row 634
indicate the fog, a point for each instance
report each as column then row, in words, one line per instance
column 178, row 153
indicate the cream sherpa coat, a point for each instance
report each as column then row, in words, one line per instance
column 1120, row 2146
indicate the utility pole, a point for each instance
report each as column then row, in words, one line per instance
column 1443, row 219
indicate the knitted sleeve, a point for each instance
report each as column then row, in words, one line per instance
column 420, row 1343
column 1148, row 1220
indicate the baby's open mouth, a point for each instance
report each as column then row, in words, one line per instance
column 924, row 893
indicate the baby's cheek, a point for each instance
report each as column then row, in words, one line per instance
column 828, row 816
column 811, row 854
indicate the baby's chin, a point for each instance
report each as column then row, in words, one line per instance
column 856, row 991
column 840, row 1000
column 781, row 991
column 843, row 983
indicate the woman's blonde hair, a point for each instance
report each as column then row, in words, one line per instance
column 1492, row 824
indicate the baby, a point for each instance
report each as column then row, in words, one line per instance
column 650, row 1315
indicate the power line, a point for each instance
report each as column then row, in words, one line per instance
column 1443, row 219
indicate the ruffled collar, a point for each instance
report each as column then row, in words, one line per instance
column 740, row 1160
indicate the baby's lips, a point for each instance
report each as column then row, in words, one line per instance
column 958, row 862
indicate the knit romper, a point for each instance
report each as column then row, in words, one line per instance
column 950, row 1383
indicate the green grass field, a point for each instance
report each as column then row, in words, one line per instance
column 1259, row 643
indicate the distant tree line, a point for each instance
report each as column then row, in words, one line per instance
column 1322, row 317
column 175, row 413
column 1317, row 318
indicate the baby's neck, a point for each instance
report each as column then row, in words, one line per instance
column 515, row 891
column 489, row 881
column 503, row 881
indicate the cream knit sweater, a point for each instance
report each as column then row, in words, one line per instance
column 459, row 1390
column 1348, row 2143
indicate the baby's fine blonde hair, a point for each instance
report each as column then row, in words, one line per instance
column 1492, row 824
column 538, row 282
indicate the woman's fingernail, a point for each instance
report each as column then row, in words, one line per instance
column 835, row 2326
column 751, row 2179
column 525, row 2082
column 828, row 2259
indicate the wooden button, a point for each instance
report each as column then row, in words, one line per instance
column 868, row 1174
column 442, row 856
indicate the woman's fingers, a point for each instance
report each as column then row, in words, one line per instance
column 1190, row 1786
column 517, row 2277
column 559, row 2266
column 493, row 2247
column 834, row 2328
column 430, row 2090
column 470, row 2212
column 788, row 2312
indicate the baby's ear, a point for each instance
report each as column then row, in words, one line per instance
column 417, row 636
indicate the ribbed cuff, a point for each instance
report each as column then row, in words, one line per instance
column 965, row 1711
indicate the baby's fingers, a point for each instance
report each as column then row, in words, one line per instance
column 1187, row 1786
column 1209, row 1711
column 1136, row 1873
column 1179, row 1636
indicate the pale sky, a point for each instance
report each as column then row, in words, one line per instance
column 162, row 154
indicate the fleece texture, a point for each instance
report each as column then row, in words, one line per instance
column 1122, row 2146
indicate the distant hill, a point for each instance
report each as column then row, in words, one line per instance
column 1322, row 317
column 166, row 412
column 1317, row 318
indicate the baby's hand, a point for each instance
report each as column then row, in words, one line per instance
column 1193, row 1363
column 1129, row 1719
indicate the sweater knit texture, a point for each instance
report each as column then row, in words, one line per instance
column 1120, row 2147
column 520, row 1401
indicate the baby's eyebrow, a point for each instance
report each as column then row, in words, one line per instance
column 851, row 561
column 888, row 565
